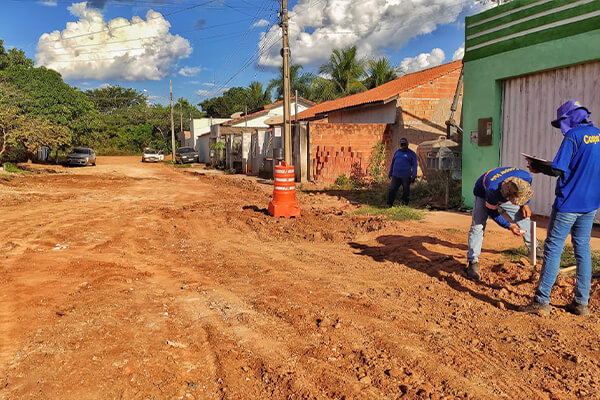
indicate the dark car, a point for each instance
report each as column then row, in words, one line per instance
column 81, row 156
column 186, row 155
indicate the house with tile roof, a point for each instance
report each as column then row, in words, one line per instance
column 341, row 133
column 248, row 139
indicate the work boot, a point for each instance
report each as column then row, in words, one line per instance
column 578, row 309
column 473, row 271
column 537, row 308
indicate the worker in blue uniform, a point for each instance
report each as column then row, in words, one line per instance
column 503, row 190
column 403, row 172
column 577, row 166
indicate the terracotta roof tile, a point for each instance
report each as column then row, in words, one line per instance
column 383, row 92
column 265, row 110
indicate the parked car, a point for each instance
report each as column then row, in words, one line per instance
column 81, row 156
column 186, row 155
column 151, row 155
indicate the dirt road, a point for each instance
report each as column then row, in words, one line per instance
column 136, row 281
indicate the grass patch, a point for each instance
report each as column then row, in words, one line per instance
column 12, row 168
column 182, row 165
column 567, row 258
column 400, row 213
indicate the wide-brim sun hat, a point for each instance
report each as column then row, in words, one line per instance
column 517, row 190
column 562, row 111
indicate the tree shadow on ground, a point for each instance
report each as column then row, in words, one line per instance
column 413, row 252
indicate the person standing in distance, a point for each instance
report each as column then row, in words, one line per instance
column 403, row 172
column 577, row 166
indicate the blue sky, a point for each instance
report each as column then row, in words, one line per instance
column 208, row 46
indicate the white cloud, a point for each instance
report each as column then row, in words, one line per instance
column 459, row 53
column 190, row 71
column 115, row 50
column 319, row 26
column 210, row 92
column 422, row 61
column 49, row 3
column 262, row 22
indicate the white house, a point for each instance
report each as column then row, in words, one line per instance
column 199, row 136
column 248, row 137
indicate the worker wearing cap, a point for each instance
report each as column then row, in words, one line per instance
column 403, row 172
column 503, row 190
column 577, row 166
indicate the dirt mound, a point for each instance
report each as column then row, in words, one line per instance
column 142, row 281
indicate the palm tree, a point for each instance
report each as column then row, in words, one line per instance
column 380, row 72
column 299, row 81
column 341, row 75
column 257, row 97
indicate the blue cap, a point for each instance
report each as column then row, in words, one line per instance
column 404, row 141
column 565, row 109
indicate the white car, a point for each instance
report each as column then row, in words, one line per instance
column 152, row 156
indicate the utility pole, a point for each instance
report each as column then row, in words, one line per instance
column 172, row 124
column 181, row 118
column 285, row 52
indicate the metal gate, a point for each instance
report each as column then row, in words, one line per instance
column 529, row 103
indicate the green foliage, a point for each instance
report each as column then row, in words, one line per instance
column 230, row 171
column 217, row 146
column 14, row 57
column 343, row 182
column 567, row 258
column 300, row 82
column 376, row 169
column 380, row 72
column 400, row 213
column 237, row 99
column 11, row 168
column 430, row 192
column 343, row 73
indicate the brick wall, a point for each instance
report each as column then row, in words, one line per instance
column 338, row 149
column 423, row 111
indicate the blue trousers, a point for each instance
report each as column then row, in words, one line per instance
column 395, row 185
column 579, row 225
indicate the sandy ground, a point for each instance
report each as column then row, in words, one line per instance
column 139, row 281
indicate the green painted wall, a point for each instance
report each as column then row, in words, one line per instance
column 483, row 92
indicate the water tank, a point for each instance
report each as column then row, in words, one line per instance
column 437, row 155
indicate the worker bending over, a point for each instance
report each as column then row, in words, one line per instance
column 502, row 190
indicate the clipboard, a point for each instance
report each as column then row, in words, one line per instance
column 536, row 159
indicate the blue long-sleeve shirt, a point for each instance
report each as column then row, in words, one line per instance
column 579, row 159
column 404, row 164
column 488, row 186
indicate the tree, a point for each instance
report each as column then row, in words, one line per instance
column 341, row 75
column 380, row 72
column 232, row 101
column 11, row 122
column 112, row 98
column 189, row 112
column 19, row 132
column 298, row 81
column 14, row 57
column 257, row 97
